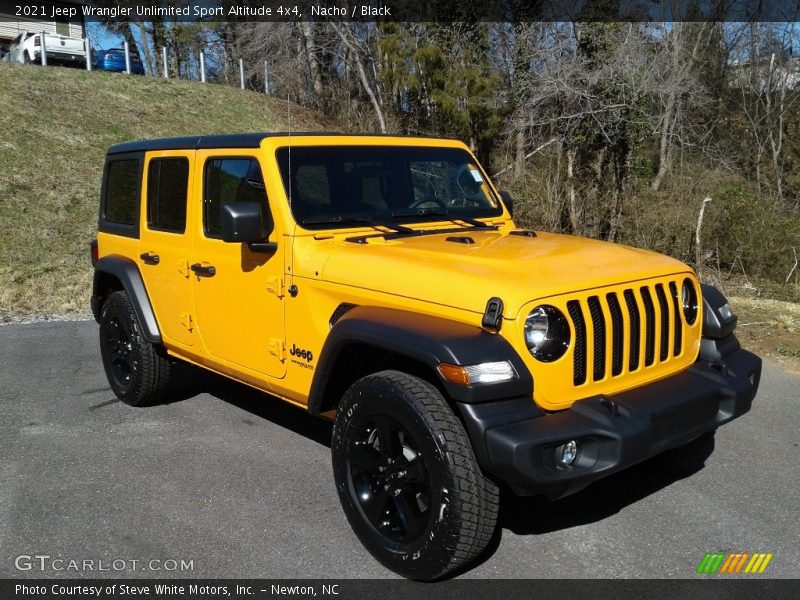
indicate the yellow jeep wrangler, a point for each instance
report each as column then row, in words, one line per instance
column 381, row 282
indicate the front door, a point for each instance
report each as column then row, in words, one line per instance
column 164, row 243
column 238, row 294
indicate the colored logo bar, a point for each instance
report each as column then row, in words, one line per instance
column 731, row 563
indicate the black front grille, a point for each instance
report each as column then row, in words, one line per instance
column 616, row 326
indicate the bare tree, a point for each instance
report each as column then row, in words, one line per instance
column 765, row 80
column 680, row 92
column 361, row 55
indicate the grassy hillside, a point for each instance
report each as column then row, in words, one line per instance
column 55, row 126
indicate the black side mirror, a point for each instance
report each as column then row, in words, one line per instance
column 508, row 201
column 244, row 222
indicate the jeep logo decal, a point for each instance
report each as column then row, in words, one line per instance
column 300, row 353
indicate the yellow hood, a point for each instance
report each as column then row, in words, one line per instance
column 517, row 269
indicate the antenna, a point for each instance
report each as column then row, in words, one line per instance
column 289, row 117
column 292, row 289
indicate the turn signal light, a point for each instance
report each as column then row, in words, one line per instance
column 454, row 373
column 491, row 372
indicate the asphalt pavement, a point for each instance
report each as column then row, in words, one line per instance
column 229, row 482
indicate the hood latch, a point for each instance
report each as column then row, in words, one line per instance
column 493, row 315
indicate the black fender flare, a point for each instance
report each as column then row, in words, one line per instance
column 127, row 273
column 427, row 339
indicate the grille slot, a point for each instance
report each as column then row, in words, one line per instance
column 599, row 333
column 649, row 327
column 579, row 354
column 664, row 337
column 633, row 315
column 677, row 345
column 616, row 334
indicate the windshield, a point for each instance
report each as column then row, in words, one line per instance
column 340, row 186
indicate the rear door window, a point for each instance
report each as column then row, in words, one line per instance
column 167, row 189
column 122, row 192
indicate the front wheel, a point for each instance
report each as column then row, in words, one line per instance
column 407, row 477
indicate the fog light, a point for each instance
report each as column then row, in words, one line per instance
column 567, row 453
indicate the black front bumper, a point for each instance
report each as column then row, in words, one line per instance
column 516, row 442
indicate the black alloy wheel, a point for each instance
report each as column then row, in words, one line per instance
column 118, row 345
column 389, row 479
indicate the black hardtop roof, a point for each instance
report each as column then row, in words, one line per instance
column 236, row 140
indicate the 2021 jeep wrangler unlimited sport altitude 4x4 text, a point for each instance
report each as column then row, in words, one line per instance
column 381, row 281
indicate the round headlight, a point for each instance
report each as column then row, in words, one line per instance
column 546, row 333
column 689, row 301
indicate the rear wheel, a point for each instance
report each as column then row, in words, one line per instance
column 27, row 58
column 138, row 371
column 407, row 477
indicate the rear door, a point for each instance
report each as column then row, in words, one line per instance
column 238, row 294
column 165, row 244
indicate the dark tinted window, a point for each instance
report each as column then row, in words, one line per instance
column 122, row 192
column 230, row 180
column 167, row 187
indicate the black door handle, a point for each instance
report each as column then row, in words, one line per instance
column 149, row 258
column 199, row 269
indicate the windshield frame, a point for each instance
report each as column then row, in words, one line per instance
column 436, row 216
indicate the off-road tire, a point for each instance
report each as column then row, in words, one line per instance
column 138, row 371
column 462, row 506
column 690, row 457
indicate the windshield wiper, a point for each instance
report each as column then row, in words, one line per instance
column 439, row 213
column 341, row 220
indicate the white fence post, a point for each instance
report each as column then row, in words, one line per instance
column 127, row 58
column 43, row 46
column 87, row 47
column 202, row 66
column 241, row 73
column 164, row 61
column 266, row 78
